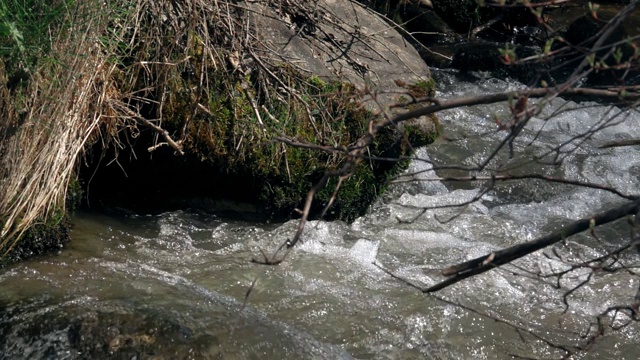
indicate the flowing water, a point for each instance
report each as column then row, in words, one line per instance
column 172, row 286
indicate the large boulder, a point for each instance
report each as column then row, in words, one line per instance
column 339, row 40
column 308, row 71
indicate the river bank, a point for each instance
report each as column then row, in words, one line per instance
column 137, row 111
column 242, row 124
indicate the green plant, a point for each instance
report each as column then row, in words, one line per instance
column 27, row 28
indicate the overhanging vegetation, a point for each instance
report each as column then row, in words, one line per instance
column 190, row 78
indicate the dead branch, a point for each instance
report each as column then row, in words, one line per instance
column 620, row 143
column 499, row 97
column 480, row 265
column 175, row 145
column 509, row 177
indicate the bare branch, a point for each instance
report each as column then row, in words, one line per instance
column 477, row 266
column 508, row 177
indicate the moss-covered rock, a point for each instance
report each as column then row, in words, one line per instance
column 233, row 154
column 38, row 240
column 262, row 124
column 499, row 60
column 47, row 235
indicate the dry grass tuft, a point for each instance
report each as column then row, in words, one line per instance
column 107, row 61
column 47, row 125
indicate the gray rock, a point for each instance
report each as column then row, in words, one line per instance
column 338, row 40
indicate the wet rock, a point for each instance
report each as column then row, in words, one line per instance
column 44, row 328
column 487, row 56
column 47, row 236
column 38, row 240
column 426, row 26
column 73, row 333
column 463, row 15
column 583, row 32
column 439, row 56
column 419, row 21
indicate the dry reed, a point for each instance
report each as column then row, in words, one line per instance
column 66, row 99
column 83, row 92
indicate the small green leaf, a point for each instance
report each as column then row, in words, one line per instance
column 17, row 36
column 593, row 8
column 617, row 55
column 547, row 47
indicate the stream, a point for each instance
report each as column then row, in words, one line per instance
column 173, row 285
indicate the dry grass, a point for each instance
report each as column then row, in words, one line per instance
column 47, row 125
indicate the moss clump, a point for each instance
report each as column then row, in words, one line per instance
column 40, row 239
column 48, row 235
column 422, row 88
column 236, row 135
column 422, row 131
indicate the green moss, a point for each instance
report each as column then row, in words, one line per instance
column 317, row 83
column 424, row 131
column 422, row 88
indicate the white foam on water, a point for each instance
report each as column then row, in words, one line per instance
column 365, row 251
